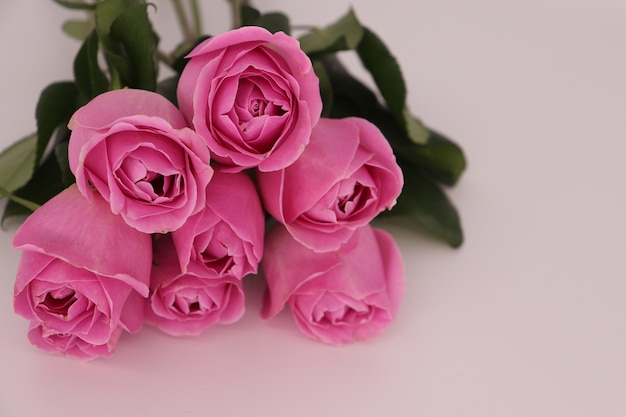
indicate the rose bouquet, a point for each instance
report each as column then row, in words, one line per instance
column 149, row 199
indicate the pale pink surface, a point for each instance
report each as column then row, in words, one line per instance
column 526, row 319
column 81, row 277
column 253, row 96
column 336, row 297
column 226, row 237
column 345, row 177
column 184, row 304
column 135, row 149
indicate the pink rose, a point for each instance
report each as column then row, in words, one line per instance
column 335, row 297
column 226, row 238
column 81, row 277
column 186, row 304
column 253, row 96
column 70, row 344
column 135, row 149
column 345, row 177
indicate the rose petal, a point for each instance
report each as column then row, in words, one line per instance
column 230, row 78
column 336, row 297
column 106, row 109
column 232, row 219
column 70, row 345
column 350, row 175
column 62, row 226
column 184, row 304
column 108, row 155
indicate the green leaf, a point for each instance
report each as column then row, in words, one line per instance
column 428, row 205
column 17, row 163
column 107, row 11
column 119, row 69
column 326, row 88
column 45, row 184
column 415, row 129
column 15, row 210
column 385, row 70
column 61, row 155
column 90, row 78
column 182, row 50
column 273, row 21
column 345, row 34
column 133, row 30
column 249, row 15
column 388, row 77
column 167, row 88
column 350, row 97
column 22, row 202
column 128, row 43
column 76, row 5
column 56, row 104
column 440, row 158
column 77, row 29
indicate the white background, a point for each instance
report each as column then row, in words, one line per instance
column 528, row 318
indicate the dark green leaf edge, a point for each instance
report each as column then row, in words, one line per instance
column 440, row 158
column 135, row 50
column 21, row 201
column 77, row 29
column 386, row 72
column 272, row 21
column 121, row 39
column 45, row 184
column 90, row 79
column 56, row 104
column 342, row 35
column 427, row 204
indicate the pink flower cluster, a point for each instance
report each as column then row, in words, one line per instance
column 168, row 213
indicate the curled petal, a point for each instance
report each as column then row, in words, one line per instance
column 70, row 344
column 253, row 97
column 79, row 232
column 141, row 158
column 336, row 297
column 185, row 304
column 350, row 176
column 82, row 276
column 226, row 238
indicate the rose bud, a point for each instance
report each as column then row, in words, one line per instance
column 335, row 297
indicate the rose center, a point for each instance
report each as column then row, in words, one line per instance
column 191, row 305
column 256, row 107
column 355, row 200
column 157, row 182
column 146, row 183
column 346, row 315
column 216, row 256
column 60, row 302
